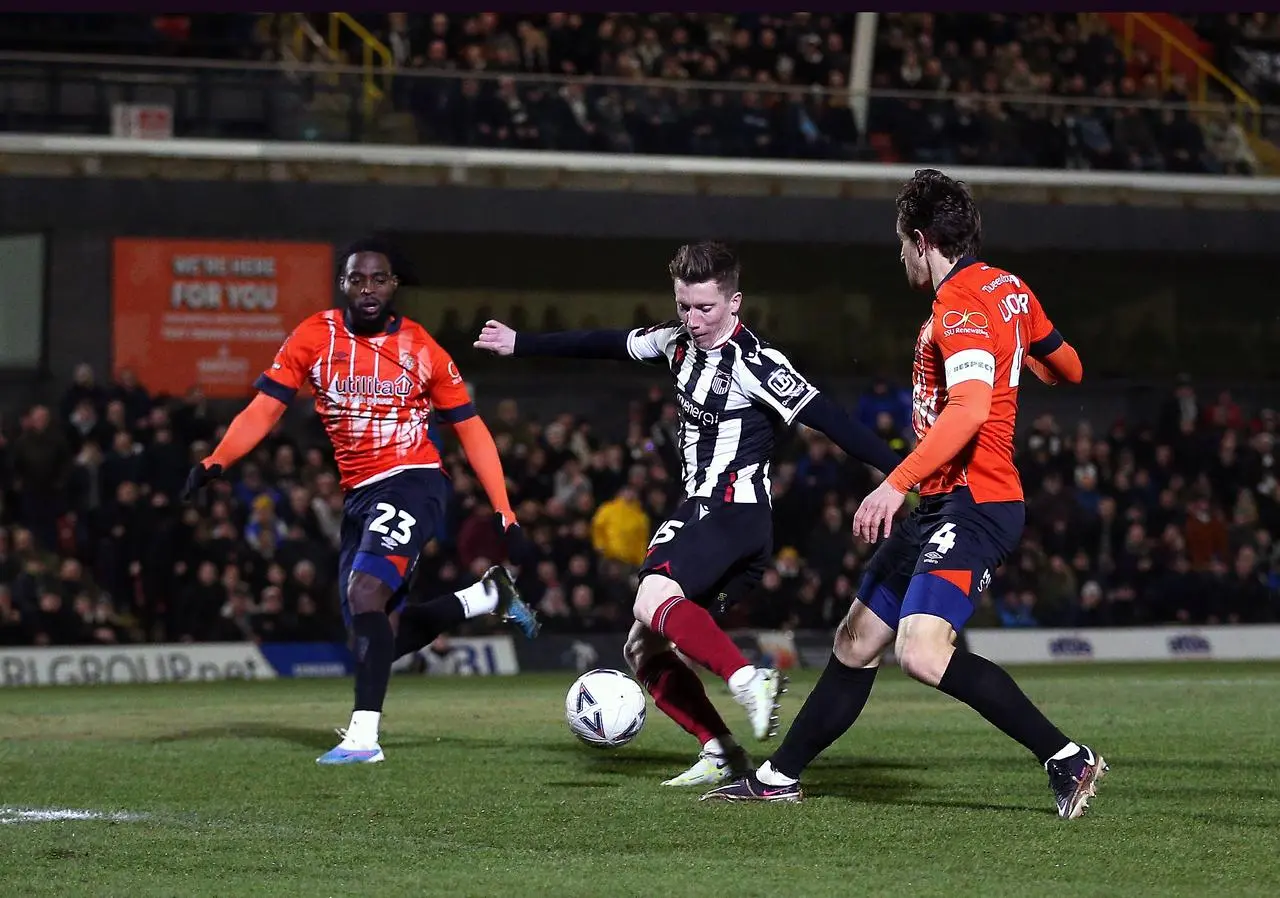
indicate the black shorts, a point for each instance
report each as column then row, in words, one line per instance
column 716, row 551
column 385, row 527
column 941, row 557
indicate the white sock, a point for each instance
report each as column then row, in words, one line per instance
column 770, row 777
column 742, row 678
column 1070, row 749
column 478, row 598
column 363, row 729
column 721, row 746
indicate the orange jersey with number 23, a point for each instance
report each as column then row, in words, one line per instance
column 983, row 324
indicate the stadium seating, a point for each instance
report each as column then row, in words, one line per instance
column 1165, row 521
column 1036, row 90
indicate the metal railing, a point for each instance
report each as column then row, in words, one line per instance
column 1247, row 109
column 266, row 101
column 376, row 81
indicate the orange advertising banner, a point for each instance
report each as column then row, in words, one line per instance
column 211, row 314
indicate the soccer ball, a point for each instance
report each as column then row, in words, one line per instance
column 605, row 708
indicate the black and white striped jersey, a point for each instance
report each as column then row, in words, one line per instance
column 734, row 402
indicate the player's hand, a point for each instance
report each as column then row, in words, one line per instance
column 877, row 510
column 199, row 477
column 497, row 338
column 520, row 550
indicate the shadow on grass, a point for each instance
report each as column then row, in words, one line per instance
column 307, row 737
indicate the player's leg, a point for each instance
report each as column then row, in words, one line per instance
column 688, row 555
column 420, row 623
column 938, row 603
column 679, row 693
column 388, row 522
column 831, row 708
column 842, row 690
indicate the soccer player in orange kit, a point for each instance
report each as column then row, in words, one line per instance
column 986, row 325
column 376, row 377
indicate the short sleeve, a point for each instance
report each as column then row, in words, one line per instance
column 291, row 367
column 1044, row 336
column 769, row 378
column 962, row 331
column 648, row 344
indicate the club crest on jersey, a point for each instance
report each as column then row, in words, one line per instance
column 720, row 384
column 368, row 385
column 408, row 361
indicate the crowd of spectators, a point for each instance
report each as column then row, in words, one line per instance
column 1160, row 522
column 1045, row 90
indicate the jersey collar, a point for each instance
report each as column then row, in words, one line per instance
column 393, row 323
column 961, row 264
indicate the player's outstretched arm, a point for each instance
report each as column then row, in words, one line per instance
column 638, row 345
column 482, row 454
column 853, row 437
column 245, row 432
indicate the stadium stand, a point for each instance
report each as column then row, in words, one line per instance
column 1049, row 90
column 1159, row 521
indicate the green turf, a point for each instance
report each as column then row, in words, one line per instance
column 485, row 793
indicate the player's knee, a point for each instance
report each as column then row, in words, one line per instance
column 922, row 658
column 654, row 590
column 366, row 593
column 858, row 642
column 641, row 645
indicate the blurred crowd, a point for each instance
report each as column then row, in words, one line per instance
column 987, row 77
column 1048, row 90
column 1170, row 520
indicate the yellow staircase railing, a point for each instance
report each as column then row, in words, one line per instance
column 1246, row 109
column 377, row 79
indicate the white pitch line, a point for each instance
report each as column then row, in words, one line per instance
column 52, row 815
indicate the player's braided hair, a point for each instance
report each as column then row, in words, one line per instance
column 943, row 210
column 708, row 260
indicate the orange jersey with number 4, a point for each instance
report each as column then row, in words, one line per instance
column 984, row 323
column 373, row 393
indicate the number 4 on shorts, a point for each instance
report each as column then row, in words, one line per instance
column 944, row 538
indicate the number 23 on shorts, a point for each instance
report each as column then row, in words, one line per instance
column 404, row 521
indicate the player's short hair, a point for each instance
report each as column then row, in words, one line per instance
column 943, row 210
column 399, row 266
column 707, row 260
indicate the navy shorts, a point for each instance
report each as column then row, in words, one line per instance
column 386, row 525
column 940, row 558
column 716, row 551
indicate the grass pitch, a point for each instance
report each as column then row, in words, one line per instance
column 485, row 793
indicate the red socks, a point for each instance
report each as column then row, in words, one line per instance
column 692, row 629
column 678, row 693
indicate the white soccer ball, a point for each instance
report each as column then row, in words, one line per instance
column 605, row 708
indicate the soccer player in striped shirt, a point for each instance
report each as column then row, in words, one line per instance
column 736, row 394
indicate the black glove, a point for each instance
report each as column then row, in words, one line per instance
column 198, row 478
column 520, row 551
